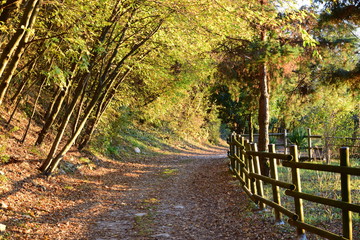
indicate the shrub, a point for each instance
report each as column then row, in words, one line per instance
column 298, row 137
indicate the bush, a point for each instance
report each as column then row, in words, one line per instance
column 298, row 137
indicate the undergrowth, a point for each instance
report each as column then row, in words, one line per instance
column 130, row 135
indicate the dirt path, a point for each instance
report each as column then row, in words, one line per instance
column 191, row 197
column 188, row 196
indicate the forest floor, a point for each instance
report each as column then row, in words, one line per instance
column 190, row 195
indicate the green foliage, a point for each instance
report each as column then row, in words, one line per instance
column 212, row 126
column 197, row 69
column 272, row 140
column 298, row 137
column 3, row 178
column 14, row 129
column 167, row 173
column 87, row 162
column 224, row 131
column 4, row 158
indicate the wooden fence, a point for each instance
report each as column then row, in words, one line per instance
column 244, row 163
column 313, row 152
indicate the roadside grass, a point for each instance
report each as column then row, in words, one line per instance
column 323, row 184
column 168, row 172
column 4, row 158
column 123, row 144
column 144, row 223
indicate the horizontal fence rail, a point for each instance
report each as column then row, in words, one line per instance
column 322, row 151
column 245, row 165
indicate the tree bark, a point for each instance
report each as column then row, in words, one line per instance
column 8, row 10
column 103, row 105
column 55, row 108
column 61, row 131
column 54, row 162
column 58, row 102
column 18, row 102
column 14, row 41
column 264, row 109
column 33, row 111
column 23, row 84
column 17, row 45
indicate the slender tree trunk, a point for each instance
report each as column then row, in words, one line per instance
column 57, row 91
column 17, row 45
column 33, row 112
column 30, row 65
column 14, row 110
column 78, row 115
column 264, row 109
column 18, row 100
column 104, row 103
column 10, row 8
column 92, row 124
column 89, row 130
column 56, row 160
column 52, row 116
column 55, row 108
column 14, row 41
column 23, row 83
column 251, row 129
column 78, row 91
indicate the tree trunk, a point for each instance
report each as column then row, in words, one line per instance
column 52, row 116
column 264, row 109
column 89, row 130
column 54, row 162
column 78, row 115
column 33, row 112
column 18, row 100
column 14, row 41
column 263, row 112
column 251, row 129
column 78, row 91
column 91, row 126
column 17, row 45
column 55, row 108
column 57, row 91
column 23, row 83
column 14, row 110
column 264, row 117
column 103, row 105
column 9, row 9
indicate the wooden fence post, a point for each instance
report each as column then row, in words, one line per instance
column 247, row 164
column 250, row 164
column 242, row 157
column 232, row 150
column 297, row 182
column 237, row 155
column 275, row 189
column 309, row 144
column 259, row 183
column 346, row 193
